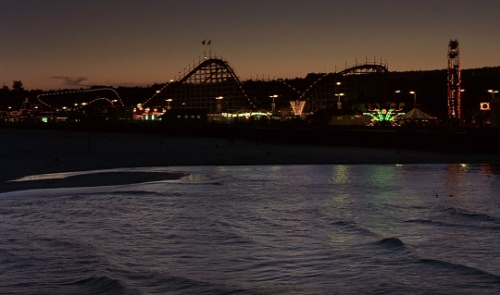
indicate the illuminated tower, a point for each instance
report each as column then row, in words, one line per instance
column 454, row 80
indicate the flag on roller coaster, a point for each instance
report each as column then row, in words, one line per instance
column 203, row 42
column 209, row 42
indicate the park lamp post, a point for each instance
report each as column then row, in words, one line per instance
column 339, row 103
column 335, row 92
column 168, row 103
column 492, row 93
column 219, row 106
column 273, row 105
column 414, row 99
column 396, row 92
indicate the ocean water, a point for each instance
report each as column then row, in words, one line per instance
column 310, row 229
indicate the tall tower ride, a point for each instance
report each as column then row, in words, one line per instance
column 454, row 81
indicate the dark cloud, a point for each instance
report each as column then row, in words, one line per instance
column 72, row 81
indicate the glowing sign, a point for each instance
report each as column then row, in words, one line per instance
column 484, row 106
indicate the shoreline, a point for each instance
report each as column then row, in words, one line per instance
column 33, row 152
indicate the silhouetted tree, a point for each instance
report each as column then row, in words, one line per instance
column 17, row 85
column 4, row 96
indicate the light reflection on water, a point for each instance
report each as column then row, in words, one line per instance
column 340, row 174
column 299, row 229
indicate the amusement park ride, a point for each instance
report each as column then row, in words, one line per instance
column 454, row 81
column 213, row 86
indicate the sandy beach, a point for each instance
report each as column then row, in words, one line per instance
column 26, row 152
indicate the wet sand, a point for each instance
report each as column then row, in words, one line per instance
column 31, row 152
column 96, row 179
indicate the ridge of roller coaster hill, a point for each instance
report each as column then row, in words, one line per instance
column 366, row 66
column 201, row 66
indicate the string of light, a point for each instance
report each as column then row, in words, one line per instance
column 65, row 92
column 201, row 63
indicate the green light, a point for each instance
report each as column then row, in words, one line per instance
column 383, row 115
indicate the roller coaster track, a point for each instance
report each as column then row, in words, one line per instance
column 358, row 68
column 39, row 97
column 214, row 70
column 208, row 70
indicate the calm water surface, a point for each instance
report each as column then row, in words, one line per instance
column 313, row 229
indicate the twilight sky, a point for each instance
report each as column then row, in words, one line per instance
column 54, row 44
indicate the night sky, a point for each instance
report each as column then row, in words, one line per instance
column 54, row 44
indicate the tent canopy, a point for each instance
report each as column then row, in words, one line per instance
column 418, row 114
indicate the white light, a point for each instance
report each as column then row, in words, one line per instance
column 484, row 106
